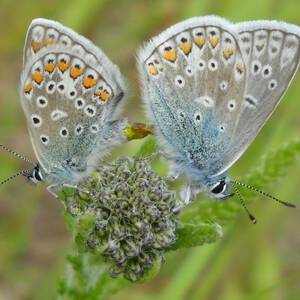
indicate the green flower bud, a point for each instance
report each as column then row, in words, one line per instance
column 134, row 216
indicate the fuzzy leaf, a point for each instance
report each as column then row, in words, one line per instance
column 192, row 235
column 148, row 147
column 87, row 278
column 83, row 227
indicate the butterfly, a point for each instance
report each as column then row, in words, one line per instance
column 70, row 93
column 209, row 86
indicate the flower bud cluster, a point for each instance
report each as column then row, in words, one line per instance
column 134, row 214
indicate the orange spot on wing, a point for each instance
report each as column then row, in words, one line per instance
column 27, row 88
column 38, row 77
column 152, row 69
column 170, row 55
column 186, row 47
column 36, row 46
column 49, row 42
column 103, row 95
column 89, row 82
column 240, row 68
column 63, row 65
column 75, row 72
column 199, row 41
column 49, row 67
column 227, row 53
column 214, row 40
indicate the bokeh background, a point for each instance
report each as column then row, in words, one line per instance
column 251, row 262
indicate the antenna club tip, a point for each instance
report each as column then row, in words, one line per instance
column 253, row 219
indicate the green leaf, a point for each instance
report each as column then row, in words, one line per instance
column 148, row 147
column 192, row 235
column 87, row 278
column 274, row 165
column 83, row 227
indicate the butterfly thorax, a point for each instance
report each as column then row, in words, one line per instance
column 217, row 187
column 71, row 170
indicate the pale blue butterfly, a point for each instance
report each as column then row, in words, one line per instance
column 209, row 86
column 70, row 93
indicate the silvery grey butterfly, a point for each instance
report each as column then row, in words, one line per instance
column 70, row 93
column 209, row 86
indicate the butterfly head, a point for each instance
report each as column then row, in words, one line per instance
column 220, row 189
column 35, row 175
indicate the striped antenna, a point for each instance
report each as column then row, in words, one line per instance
column 250, row 187
column 14, row 153
column 23, row 172
column 237, row 192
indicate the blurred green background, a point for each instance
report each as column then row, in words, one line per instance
column 251, row 262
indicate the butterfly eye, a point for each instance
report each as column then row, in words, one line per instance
column 37, row 175
column 219, row 187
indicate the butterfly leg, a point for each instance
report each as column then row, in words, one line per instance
column 188, row 193
column 173, row 172
column 185, row 194
column 52, row 189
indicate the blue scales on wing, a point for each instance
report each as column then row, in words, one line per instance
column 70, row 92
column 193, row 77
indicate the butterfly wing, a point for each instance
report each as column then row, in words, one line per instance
column 271, row 52
column 70, row 91
column 193, row 75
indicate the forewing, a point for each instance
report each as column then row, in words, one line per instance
column 70, row 91
column 193, row 76
column 271, row 52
